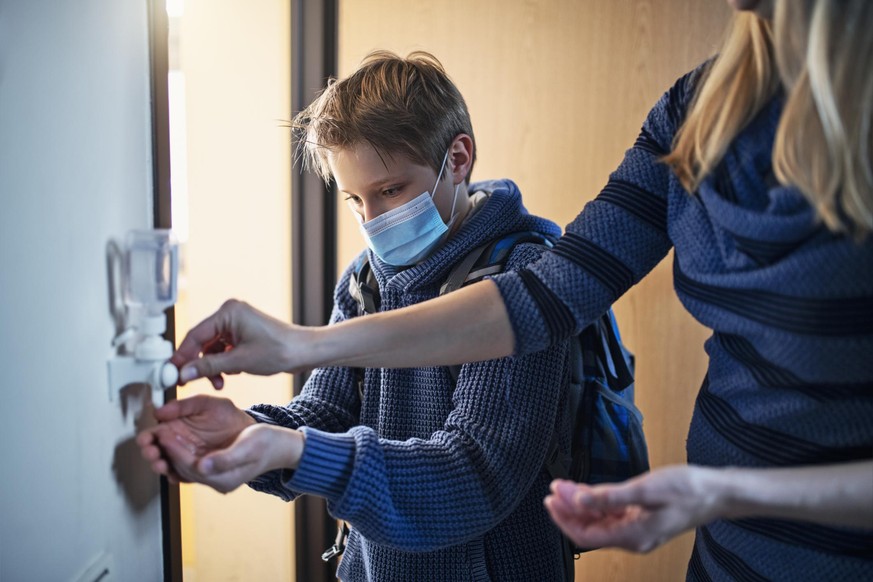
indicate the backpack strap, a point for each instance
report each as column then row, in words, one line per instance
column 487, row 259
column 602, row 337
column 490, row 259
column 364, row 288
column 484, row 260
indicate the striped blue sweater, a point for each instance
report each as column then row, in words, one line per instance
column 790, row 378
column 437, row 484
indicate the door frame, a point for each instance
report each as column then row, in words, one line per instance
column 314, row 49
column 171, row 523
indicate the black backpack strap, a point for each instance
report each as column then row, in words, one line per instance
column 601, row 344
column 339, row 544
column 458, row 276
column 364, row 288
column 490, row 259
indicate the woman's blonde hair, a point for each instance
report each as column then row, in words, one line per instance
column 739, row 81
column 823, row 145
column 820, row 51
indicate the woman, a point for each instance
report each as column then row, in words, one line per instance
column 756, row 168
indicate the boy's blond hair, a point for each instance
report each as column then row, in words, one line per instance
column 820, row 52
column 400, row 106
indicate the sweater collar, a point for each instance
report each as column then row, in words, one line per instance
column 743, row 196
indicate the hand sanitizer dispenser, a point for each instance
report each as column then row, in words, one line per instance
column 150, row 266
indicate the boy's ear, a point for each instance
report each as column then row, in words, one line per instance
column 460, row 157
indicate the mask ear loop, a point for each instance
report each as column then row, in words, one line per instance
column 455, row 197
column 454, row 201
column 440, row 175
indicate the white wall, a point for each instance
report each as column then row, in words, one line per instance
column 75, row 170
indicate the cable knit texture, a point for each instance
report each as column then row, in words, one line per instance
column 437, row 484
column 791, row 308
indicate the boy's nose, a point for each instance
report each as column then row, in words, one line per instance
column 371, row 211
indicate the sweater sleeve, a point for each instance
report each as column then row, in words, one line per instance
column 423, row 494
column 426, row 494
column 617, row 239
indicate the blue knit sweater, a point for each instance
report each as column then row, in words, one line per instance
column 790, row 378
column 437, row 484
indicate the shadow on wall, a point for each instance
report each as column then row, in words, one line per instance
column 139, row 484
column 132, row 472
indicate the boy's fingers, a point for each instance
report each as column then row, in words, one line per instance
column 145, row 438
column 150, row 453
column 177, row 448
column 218, row 463
column 160, row 466
column 169, row 411
column 182, row 407
column 565, row 489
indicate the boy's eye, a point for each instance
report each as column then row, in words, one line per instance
column 391, row 192
column 353, row 199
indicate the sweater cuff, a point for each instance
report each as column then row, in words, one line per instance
column 261, row 417
column 525, row 317
column 325, row 466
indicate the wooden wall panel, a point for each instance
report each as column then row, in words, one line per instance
column 557, row 90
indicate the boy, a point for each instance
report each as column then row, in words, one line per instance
column 440, row 479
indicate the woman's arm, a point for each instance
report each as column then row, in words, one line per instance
column 839, row 495
column 645, row 512
column 617, row 239
column 470, row 324
column 467, row 325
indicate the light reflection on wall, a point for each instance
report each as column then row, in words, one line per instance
column 229, row 87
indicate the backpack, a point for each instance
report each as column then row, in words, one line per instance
column 607, row 440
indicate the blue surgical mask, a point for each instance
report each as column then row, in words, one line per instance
column 407, row 234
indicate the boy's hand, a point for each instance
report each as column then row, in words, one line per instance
column 202, row 424
column 256, row 450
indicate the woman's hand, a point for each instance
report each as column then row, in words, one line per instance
column 638, row 515
column 239, row 338
column 643, row 513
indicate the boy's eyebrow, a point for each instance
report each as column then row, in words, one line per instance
column 381, row 182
